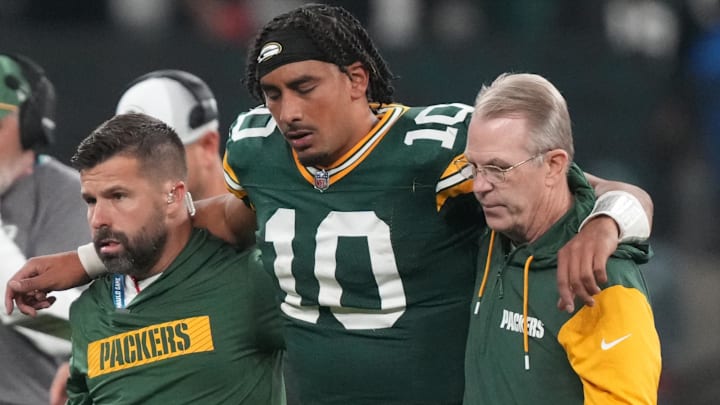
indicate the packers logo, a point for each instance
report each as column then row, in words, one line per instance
column 268, row 51
column 150, row 344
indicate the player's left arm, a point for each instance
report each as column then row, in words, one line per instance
column 614, row 348
column 603, row 186
column 623, row 212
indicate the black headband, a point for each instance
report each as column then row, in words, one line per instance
column 287, row 46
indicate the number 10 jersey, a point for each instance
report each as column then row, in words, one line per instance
column 374, row 257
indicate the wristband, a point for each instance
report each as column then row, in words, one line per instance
column 93, row 266
column 625, row 209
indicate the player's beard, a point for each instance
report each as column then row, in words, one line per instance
column 140, row 253
column 318, row 159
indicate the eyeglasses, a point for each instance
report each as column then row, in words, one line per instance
column 493, row 174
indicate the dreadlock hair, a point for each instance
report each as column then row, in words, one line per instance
column 339, row 35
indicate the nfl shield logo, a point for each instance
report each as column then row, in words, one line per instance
column 322, row 180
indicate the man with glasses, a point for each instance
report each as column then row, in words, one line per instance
column 491, row 173
column 520, row 348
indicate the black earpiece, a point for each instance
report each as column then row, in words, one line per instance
column 205, row 110
column 12, row 82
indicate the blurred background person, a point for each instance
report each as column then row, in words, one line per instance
column 184, row 102
column 40, row 211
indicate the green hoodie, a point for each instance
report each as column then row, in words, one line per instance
column 607, row 353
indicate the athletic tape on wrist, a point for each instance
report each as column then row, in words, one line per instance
column 93, row 266
column 625, row 209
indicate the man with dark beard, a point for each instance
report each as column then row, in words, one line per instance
column 181, row 317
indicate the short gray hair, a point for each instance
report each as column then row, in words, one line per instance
column 536, row 99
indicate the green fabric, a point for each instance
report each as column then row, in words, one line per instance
column 494, row 362
column 10, row 96
column 338, row 254
column 48, row 324
column 208, row 279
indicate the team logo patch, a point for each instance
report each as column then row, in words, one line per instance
column 150, row 344
column 268, row 51
column 322, row 180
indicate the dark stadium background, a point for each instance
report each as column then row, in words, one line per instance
column 642, row 80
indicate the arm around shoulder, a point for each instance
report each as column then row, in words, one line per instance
column 630, row 206
column 622, row 213
column 228, row 218
column 40, row 275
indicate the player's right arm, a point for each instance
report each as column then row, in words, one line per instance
column 225, row 216
column 40, row 275
column 228, row 218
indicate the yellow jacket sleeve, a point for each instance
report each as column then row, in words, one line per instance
column 614, row 348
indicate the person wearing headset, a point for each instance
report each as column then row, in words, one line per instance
column 186, row 103
column 40, row 212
